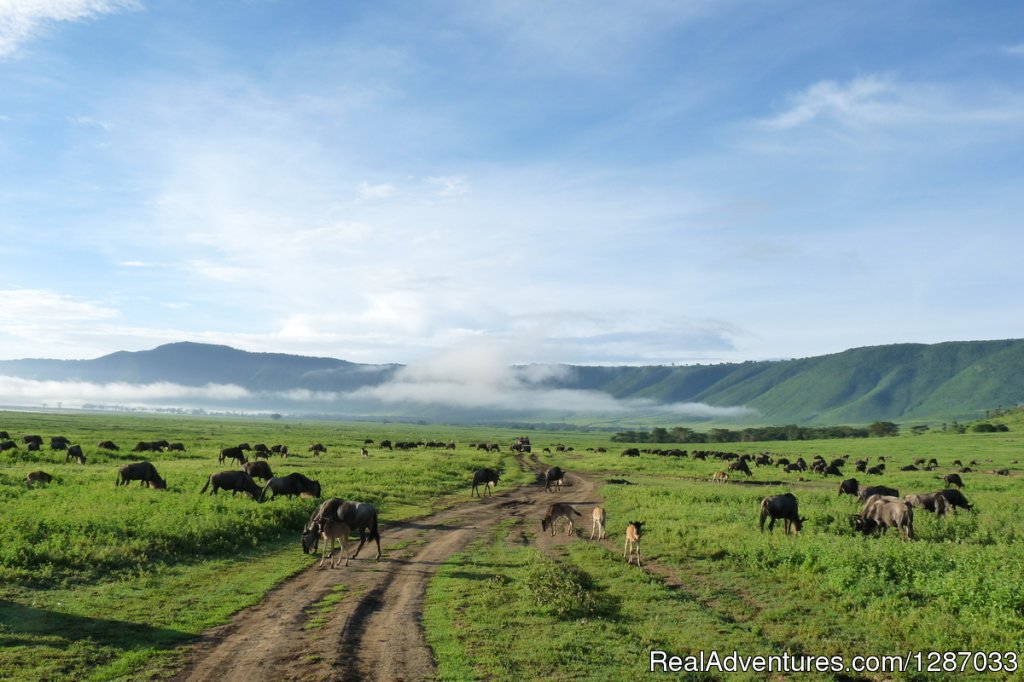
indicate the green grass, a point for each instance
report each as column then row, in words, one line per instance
column 99, row 582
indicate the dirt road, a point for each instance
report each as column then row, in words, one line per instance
column 374, row 632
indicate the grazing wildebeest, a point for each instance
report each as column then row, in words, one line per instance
column 8, row 445
column 634, row 529
column 260, row 450
column 485, row 477
column 356, row 515
column 597, row 516
column 865, row 493
column 144, row 472
column 933, row 502
column 553, row 477
column 176, row 447
column 880, row 512
column 952, row 479
column 318, row 449
column 1001, row 472
column 59, row 443
column 232, row 453
column 292, row 484
column 32, row 439
column 33, row 446
column 876, row 470
column 909, row 467
column 555, row 511
column 720, row 477
column 956, row 498
column 107, row 445
column 850, row 486
column 258, row 469
column 740, row 465
column 235, row 481
column 38, row 477
column 630, row 452
column 244, row 446
column 783, row 507
column 75, row 452
column 328, row 530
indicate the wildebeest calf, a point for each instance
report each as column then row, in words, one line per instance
column 38, row 477
column 880, row 512
column 75, row 453
column 634, row 529
column 556, row 511
column 597, row 516
column 328, row 530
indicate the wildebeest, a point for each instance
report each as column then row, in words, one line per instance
column 359, row 516
column 880, row 512
column 107, row 445
column 317, row 449
column 630, row 452
column 867, row 492
column 956, row 498
column 38, row 477
column 876, row 470
column 32, row 439
column 176, row 447
column 258, row 469
column 328, row 530
column 260, row 450
column 597, row 516
column 634, row 529
column 485, row 477
column 953, row 479
column 74, row 452
column 235, row 481
column 364, row 453
column 556, row 511
column 850, row 486
column 783, row 507
column 553, row 477
column 144, row 472
column 292, row 484
column 933, row 502
column 8, row 445
column 232, row 453
column 740, row 465
column 59, row 443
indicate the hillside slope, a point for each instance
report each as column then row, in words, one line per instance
column 895, row 382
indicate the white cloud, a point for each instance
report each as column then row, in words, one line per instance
column 477, row 376
column 368, row 191
column 862, row 99
column 450, row 186
column 22, row 20
column 38, row 306
column 1015, row 50
column 18, row 391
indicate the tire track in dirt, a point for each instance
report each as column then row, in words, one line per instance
column 375, row 631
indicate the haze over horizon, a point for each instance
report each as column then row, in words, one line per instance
column 584, row 183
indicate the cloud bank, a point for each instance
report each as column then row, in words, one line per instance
column 23, row 20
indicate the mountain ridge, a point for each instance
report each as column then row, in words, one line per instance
column 908, row 381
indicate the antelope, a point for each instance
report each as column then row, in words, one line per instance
column 720, row 477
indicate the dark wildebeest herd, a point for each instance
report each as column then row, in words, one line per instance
column 335, row 520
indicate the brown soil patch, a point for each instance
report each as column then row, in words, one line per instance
column 374, row 632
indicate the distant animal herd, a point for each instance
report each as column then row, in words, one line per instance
column 881, row 507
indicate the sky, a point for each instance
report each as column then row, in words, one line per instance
column 604, row 183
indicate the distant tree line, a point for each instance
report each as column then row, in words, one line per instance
column 681, row 434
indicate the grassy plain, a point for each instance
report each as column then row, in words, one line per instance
column 717, row 584
column 97, row 581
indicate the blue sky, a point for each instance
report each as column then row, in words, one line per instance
column 578, row 182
